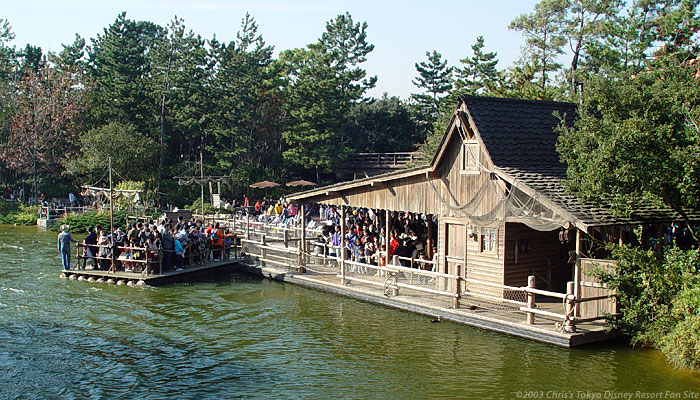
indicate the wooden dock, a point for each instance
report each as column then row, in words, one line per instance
column 137, row 278
column 478, row 315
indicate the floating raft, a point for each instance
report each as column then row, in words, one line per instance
column 139, row 279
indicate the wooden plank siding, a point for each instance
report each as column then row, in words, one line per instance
column 542, row 259
column 422, row 192
column 590, row 287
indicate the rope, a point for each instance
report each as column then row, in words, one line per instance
column 568, row 322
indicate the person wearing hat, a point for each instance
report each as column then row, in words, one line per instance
column 64, row 240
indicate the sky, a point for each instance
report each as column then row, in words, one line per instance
column 401, row 31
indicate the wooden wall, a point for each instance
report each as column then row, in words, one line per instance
column 422, row 193
column 482, row 266
column 543, row 257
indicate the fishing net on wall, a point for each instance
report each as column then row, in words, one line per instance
column 515, row 206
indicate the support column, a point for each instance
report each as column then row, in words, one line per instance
column 429, row 244
column 577, row 270
column 302, row 246
column 569, row 324
column 342, row 245
column 247, row 225
column 387, row 234
column 530, row 300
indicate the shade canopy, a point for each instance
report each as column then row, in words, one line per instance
column 264, row 185
column 301, row 183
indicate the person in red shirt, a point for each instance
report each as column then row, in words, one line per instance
column 393, row 243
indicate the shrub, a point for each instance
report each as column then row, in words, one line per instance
column 659, row 298
column 79, row 223
column 15, row 213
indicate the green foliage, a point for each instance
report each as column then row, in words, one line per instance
column 121, row 69
column 544, row 41
column 382, row 125
column 16, row 213
column 681, row 341
column 322, row 83
column 196, row 208
column 79, row 223
column 479, row 74
column 435, row 80
column 659, row 298
column 637, row 139
column 133, row 154
column 247, row 119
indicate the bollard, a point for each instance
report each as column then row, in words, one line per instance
column 530, row 300
column 569, row 324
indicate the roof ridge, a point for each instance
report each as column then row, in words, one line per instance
column 465, row 97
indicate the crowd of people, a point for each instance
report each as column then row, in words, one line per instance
column 141, row 244
column 365, row 239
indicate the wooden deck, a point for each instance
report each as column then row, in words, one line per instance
column 472, row 312
column 136, row 278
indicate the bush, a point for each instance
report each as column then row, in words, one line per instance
column 659, row 298
column 16, row 213
column 679, row 335
column 79, row 223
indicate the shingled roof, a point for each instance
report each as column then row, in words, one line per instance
column 520, row 133
column 520, row 137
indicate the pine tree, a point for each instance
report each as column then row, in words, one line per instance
column 479, row 74
column 323, row 81
column 178, row 62
column 121, row 69
column 543, row 37
column 435, row 79
column 247, row 130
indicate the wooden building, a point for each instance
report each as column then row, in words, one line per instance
column 496, row 186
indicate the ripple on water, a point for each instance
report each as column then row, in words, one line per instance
column 238, row 336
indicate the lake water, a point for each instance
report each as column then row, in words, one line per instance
column 235, row 335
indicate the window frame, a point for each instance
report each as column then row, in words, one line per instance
column 466, row 167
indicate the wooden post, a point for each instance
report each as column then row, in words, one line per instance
column 429, row 243
column 530, row 300
column 160, row 262
column 342, row 244
column 148, row 265
column 302, row 242
column 286, row 238
column 302, row 246
column 247, row 226
column 387, row 234
column 458, row 291
column 577, row 270
column 570, row 305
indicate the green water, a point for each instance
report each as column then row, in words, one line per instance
column 233, row 335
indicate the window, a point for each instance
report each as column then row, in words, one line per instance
column 470, row 158
column 488, row 240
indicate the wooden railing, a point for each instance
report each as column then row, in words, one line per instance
column 55, row 213
column 280, row 246
column 144, row 260
column 384, row 160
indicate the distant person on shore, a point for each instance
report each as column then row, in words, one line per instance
column 64, row 240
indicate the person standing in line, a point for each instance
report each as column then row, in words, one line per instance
column 64, row 240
